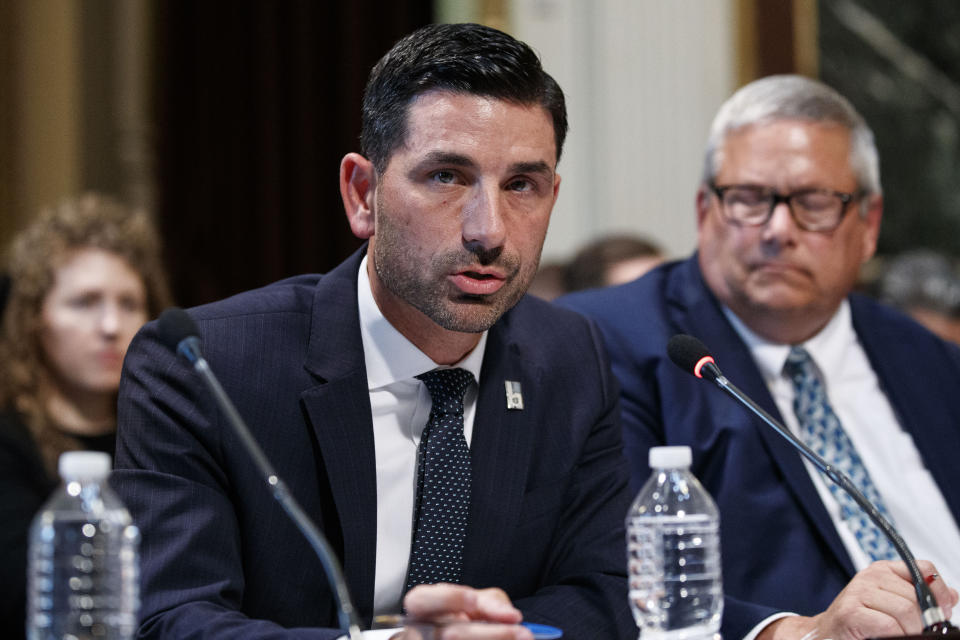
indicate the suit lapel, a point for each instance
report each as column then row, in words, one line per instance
column 338, row 409
column 499, row 452
column 924, row 404
column 699, row 313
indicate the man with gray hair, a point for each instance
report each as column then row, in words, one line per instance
column 788, row 210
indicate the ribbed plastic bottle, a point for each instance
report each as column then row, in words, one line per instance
column 83, row 568
column 673, row 553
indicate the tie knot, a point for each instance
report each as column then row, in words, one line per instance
column 798, row 362
column 446, row 387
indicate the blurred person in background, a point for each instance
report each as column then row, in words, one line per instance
column 549, row 283
column 925, row 285
column 83, row 278
column 611, row 260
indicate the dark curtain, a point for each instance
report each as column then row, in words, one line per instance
column 773, row 24
column 256, row 104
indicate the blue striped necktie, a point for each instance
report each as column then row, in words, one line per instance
column 821, row 430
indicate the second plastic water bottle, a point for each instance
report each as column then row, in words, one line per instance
column 83, row 565
column 673, row 553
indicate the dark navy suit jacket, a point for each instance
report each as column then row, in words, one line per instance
column 780, row 549
column 220, row 558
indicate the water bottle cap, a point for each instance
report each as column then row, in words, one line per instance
column 75, row 465
column 670, row 457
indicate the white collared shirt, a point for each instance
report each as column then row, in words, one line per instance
column 401, row 407
column 913, row 499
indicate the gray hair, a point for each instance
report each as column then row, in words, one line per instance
column 792, row 97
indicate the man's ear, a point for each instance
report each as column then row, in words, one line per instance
column 358, row 181
column 871, row 229
column 703, row 204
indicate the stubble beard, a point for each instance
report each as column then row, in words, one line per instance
column 427, row 289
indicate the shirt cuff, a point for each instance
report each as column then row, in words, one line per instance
column 376, row 634
column 764, row 623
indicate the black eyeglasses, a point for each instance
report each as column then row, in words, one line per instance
column 812, row 209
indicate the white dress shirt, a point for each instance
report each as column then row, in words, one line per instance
column 401, row 407
column 913, row 499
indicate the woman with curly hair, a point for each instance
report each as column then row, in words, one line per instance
column 83, row 278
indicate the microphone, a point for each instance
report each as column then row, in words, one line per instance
column 178, row 332
column 692, row 356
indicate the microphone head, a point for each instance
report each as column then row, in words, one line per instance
column 174, row 326
column 691, row 355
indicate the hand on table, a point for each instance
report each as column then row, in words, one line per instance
column 879, row 601
column 461, row 613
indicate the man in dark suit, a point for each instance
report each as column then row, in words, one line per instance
column 462, row 131
column 788, row 210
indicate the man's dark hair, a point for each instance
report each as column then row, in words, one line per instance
column 463, row 58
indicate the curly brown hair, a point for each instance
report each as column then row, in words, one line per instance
column 88, row 221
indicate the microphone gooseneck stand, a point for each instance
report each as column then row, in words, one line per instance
column 692, row 356
column 178, row 331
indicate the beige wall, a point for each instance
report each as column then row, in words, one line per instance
column 643, row 79
column 41, row 134
column 74, row 110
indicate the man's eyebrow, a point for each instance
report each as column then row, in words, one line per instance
column 459, row 160
column 447, row 157
column 538, row 166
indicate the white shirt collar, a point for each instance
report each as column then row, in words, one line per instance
column 828, row 347
column 388, row 355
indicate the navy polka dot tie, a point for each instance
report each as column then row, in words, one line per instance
column 443, row 483
column 821, row 430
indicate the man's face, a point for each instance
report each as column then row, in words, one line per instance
column 778, row 276
column 461, row 211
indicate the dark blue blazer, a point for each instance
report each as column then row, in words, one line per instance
column 220, row 558
column 780, row 549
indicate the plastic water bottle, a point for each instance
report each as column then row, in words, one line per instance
column 673, row 553
column 83, row 575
